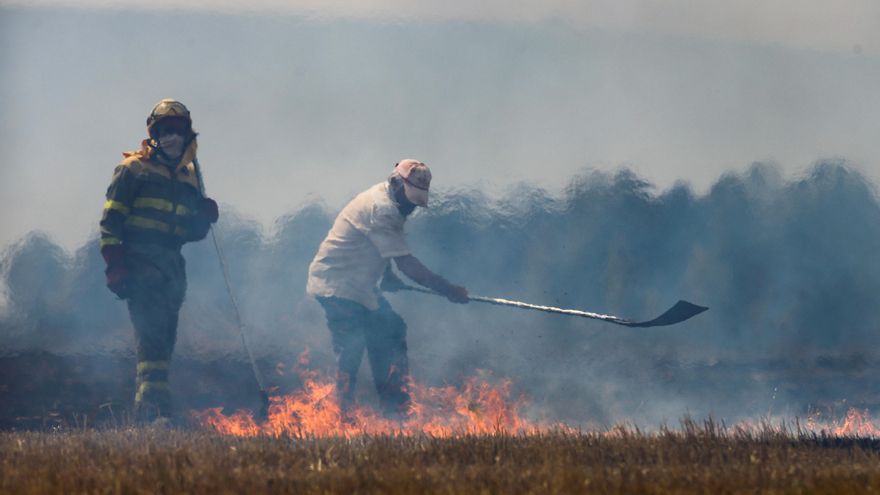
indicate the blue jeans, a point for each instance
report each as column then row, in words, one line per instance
column 382, row 333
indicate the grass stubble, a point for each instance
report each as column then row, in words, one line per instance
column 695, row 458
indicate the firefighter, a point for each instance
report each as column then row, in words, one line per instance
column 154, row 205
column 343, row 277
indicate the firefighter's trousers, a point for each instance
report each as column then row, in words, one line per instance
column 382, row 333
column 157, row 285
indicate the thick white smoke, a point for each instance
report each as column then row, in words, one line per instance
column 788, row 269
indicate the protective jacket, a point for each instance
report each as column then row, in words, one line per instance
column 150, row 212
column 149, row 202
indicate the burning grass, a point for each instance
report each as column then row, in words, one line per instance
column 482, row 405
column 472, row 438
column 694, row 458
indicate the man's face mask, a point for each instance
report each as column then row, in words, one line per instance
column 172, row 144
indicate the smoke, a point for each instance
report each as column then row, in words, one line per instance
column 786, row 23
column 788, row 268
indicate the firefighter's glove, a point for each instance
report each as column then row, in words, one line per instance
column 208, row 210
column 117, row 272
column 456, row 294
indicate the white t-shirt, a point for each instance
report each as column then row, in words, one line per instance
column 366, row 234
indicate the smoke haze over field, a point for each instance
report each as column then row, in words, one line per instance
column 587, row 154
column 294, row 108
column 788, row 268
column 844, row 24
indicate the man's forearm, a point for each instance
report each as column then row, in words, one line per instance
column 410, row 266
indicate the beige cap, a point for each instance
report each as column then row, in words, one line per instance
column 416, row 180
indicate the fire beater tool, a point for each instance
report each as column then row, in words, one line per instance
column 681, row 311
column 263, row 413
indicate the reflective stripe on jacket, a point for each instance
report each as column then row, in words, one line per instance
column 149, row 203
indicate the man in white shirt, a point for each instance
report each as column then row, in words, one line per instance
column 343, row 277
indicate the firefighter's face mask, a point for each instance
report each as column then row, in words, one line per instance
column 172, row 144
column 172, row 132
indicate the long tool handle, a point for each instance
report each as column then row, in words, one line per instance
column 235, row 310
column 519, row 304
column 264, row 394
column 681, row 311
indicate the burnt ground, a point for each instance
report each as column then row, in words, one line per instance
column 44, row 391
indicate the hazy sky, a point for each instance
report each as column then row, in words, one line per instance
column 297, row 101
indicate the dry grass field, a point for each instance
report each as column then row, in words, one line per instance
column 695, row 458
column 60, row 446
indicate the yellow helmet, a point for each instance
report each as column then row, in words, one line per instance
column 167, row 108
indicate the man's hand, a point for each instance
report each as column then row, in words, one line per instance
column 116, row 272
column 414, row 269
column 390, row 282
column 457, row 294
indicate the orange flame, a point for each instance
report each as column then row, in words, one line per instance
column 856, row 423
column 481, row 405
